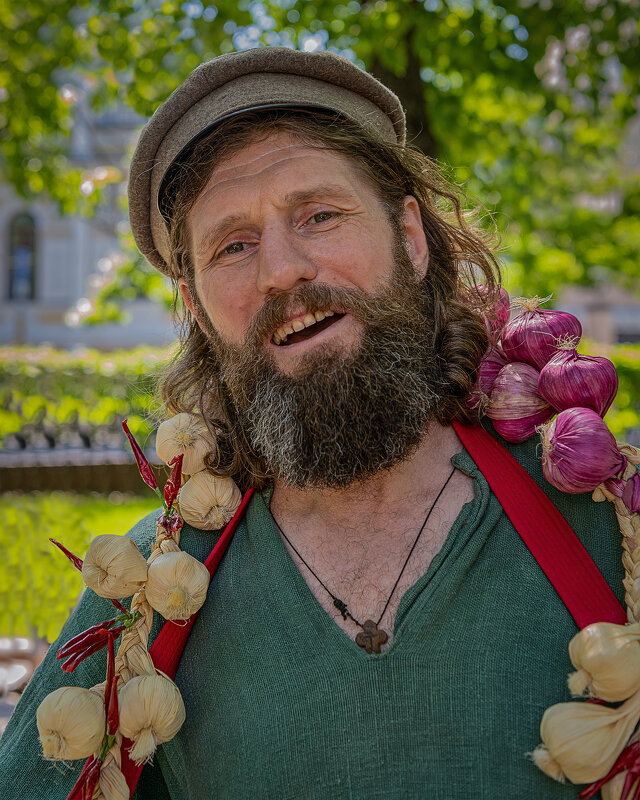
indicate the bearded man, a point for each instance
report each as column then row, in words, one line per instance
column 377, row 627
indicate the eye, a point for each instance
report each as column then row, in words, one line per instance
column 233, row 248
column 323, row 216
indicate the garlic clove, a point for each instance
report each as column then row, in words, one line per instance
column 177, row 585
column 71, row 723
column 187, row 434
column 151, row 712
column 582, row 740
column 607, row 659
column 531, row 336
column 579, row 452
column 570, row 379
column 114, row 567
column 208, row 502
column 516, row 408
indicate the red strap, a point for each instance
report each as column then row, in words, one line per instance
column 544, row 530
column 170, row 642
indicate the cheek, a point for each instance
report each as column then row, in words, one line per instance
column 228, row 306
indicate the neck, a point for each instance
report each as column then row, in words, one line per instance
column 421, row 475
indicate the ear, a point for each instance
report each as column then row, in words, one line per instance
column 415, row 238
column 188, row 301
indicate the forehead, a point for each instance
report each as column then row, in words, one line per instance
column 280, row 161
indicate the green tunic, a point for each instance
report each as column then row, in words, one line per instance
column 282, row 704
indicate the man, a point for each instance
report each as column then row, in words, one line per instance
column 377, row 627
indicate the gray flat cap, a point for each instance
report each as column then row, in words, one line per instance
column 237, row 82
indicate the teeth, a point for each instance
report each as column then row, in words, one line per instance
column 280, row 336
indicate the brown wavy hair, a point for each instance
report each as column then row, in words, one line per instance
column 461, row 282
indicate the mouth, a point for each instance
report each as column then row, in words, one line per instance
column 305, row 327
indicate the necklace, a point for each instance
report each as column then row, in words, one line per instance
column 371, row 637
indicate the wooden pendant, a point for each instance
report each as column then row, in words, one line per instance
column 371, row 638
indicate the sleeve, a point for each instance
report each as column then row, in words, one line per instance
column 24, row 774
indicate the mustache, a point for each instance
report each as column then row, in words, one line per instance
column 370, row 308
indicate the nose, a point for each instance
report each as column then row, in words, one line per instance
column 284, row 261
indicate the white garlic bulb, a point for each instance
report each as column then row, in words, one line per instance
column 114, row 567
column 177, row 585
column 71, row 723
column 208, row 502
column 151, row 712
column 607, row 657
column 186, row 434
column 582, row 740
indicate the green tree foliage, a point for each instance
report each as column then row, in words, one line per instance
column 530, row 104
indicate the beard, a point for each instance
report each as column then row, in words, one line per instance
column 339, row 417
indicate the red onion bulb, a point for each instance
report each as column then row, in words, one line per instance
column 493, row 361
column 498, row 317
column 579, row 452
column 516, row 408
column 531, row 336
column 570, row 379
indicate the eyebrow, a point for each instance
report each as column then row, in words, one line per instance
column 333, row 190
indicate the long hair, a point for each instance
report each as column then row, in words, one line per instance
column 460, row 285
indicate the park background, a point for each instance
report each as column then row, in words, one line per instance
column 531, row 106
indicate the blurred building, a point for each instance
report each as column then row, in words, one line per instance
column 49, row 262
column 608, row 314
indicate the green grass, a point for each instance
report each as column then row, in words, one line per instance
column 38, row 586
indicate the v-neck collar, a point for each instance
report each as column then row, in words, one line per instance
column 297, row 602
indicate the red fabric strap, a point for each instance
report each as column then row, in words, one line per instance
column 170, row 642
column 544, row 530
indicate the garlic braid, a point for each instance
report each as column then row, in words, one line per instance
column 629, row 524
column 132, row 659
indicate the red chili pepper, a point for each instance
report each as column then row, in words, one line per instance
column 117, row 604
column 80, row 656
column 113, row 715
column 91, row 780
column 72, row 643
column 111, row 663
column 77, row 792
column 172, row 486
column 77, row 562
column 144, row 466
column 629, row 759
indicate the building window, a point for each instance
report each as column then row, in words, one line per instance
column 22, row 257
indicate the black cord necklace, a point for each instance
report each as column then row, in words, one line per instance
column 371, row 637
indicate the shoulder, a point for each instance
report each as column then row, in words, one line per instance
column 594, row 523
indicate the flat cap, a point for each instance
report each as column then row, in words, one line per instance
column 234, row 83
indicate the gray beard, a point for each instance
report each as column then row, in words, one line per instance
column 338, row 418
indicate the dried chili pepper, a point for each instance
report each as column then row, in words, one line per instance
column 98, row 644
column 629, row 760
column 77, row 562
column 91, row 780
column 172, row 486
column 117, row 604
column 113, row 714
column 146, row 472
column 85, row 636
column 77, row 792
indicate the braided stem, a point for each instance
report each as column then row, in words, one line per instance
column 629, row 524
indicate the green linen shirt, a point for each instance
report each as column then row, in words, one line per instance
column 282, row 704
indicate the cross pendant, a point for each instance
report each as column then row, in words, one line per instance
column 371, row 638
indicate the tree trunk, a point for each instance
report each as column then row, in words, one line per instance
column 410, row 89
